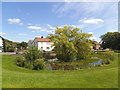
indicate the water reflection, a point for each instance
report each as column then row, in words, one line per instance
column 73, row 67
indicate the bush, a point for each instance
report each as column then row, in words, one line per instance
column 108, row 54
column 107, row 61
column 10, row 49
column 48, row 56
column 117, row 51
column 83, row 50
column 32, row 59
column 39, row 64
column 20, row 61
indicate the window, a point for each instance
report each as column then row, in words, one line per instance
column 47, row 48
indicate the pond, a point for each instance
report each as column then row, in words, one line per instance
column 54, row 66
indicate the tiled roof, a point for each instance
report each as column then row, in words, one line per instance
column 31, row 41
column 42, row 39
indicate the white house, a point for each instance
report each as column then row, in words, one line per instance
column 2, row 44
column 41, row 43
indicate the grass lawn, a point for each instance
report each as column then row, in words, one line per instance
column 17, row 77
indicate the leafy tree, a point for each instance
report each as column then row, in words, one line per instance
column 32, row 54
column 10, row 49
column 111, row 40
column 18, row 45
column 69, row 43
column 31, row 59
column 24, row 45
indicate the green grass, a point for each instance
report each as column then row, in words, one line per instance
column 18, row 77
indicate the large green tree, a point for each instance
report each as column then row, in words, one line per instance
column 70, row 43
column 111, row 40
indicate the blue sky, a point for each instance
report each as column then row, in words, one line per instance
column 23, row 21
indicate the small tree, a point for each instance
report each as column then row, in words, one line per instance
column 69, row 43
column 33, row 58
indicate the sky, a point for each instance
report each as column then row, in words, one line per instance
column 23, row 21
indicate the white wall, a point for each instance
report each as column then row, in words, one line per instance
column 45, row 46
column 41, row 45
column 1, row 44
column 29, row 44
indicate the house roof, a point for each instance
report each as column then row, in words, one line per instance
column 42, row 39
column 2, row 37
column 31, row 41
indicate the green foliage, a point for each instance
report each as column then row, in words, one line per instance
column 22, row 44
column 39, row 64
column 107, row 61
column 108, row 54
column 10, row 49
column 48, row 56
column 83, row 50
column 32, row 59
column 70, row 43
column 111, row 40
column 32, row 54
column 20, row 61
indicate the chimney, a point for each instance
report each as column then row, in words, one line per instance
column 41, row 36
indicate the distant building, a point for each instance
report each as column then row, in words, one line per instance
column 96, row 46
column 41, row 43
column 2, row 44
column 30, row 42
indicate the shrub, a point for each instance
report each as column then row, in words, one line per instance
column 48, row 56
column 108, row 54
column 117, row 51
column 39, row 64
column 107, row 61
column 28, row 65
column 20, row 61
column 10, row 49
column 32, row 59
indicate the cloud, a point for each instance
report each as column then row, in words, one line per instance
column 20, row 23
column 50, row 27
column 34, row 27
column 33, row 31
column 22, row 34
column 14, row 21
column 3, row 33
column 51, row 32
column 90, row 33
column 44, row 29
column 38, row 31
column 37, row 24
column 91, row 21
column 67, row 1
column 75, row 9
column 113, row 30
column 93, row 38
column 29, row 24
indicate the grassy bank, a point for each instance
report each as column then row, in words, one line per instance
column 99, row 77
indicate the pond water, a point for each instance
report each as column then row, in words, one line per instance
column 73, row 67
